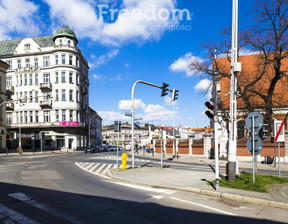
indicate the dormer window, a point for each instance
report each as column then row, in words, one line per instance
column 61, row 42
column 26, row 47
column 69, row 42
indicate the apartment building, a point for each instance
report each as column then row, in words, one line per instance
column 47, row 82
column 3, row 68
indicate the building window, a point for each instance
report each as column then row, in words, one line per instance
column 69, row 42
column 10, row 64
column 25, row 96
column 31, row 116
column 21, row 116
column 46, row 116
column 30, row 79
column 56, row 77
column 63, row 115
column 77, row 115
column 36, row 62
column 26, row 47
column 9, row 117
column 56, row 59
column 77, row 61
column 30, row 96
column 77, row 78
column 9, row 81
column 63, row 94
column 63, row 77
column 36, row 79
column 36, row 116
column 36, row 96
column 27, row 62
column 46, row 61
column 26, row 117
column 77, row 96
column 61, row 42
column 21, row 81
column 57, row 115
column 71, row 115
column 57, row 94
column 70, row 95
column 70, row 59
column 70, row 77
column 25, row 80
column 19, row 63
column 63, row 59
column 46, row 78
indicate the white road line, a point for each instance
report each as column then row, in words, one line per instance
column 10, row 216
column 204, row 206
column 107, row 168
column 94, row 168
column 101, row 167
column 80, row 166
column 54, row 211
column 144, row 188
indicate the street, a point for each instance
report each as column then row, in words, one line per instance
column 56, row 188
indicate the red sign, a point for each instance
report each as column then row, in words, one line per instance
column 68, row 123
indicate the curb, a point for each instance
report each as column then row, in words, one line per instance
column 234, row 197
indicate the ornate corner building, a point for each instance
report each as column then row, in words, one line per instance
column 48, row 85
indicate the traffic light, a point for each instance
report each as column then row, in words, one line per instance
column 117, row 126
column 210, row 112
column 164, row 89
column 263, row 133
column 174, row 94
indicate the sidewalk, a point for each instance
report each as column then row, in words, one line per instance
column 198, row 181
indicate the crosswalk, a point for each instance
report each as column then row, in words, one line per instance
column 101, row 168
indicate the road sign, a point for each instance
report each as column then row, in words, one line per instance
column 258, row 121
column 279, row 131
column 128, row 114
column 258, row 145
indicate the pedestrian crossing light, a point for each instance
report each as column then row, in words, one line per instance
column 164, row 89
column 174, row 94
column 210, row 111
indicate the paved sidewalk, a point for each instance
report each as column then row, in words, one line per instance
column 199, row 181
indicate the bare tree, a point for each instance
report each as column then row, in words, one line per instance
column 262, row 85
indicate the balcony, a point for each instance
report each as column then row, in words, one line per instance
column 46, row 86
column 84, row 90
column 83, row 106
column 46, row 104
column 10, row 89
column 10, row 106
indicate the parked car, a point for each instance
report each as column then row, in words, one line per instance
column 93, row 149
column 104, row 148
column 110, row 148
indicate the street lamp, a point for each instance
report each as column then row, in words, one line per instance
column 89, row 128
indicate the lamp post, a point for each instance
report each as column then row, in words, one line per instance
column 89, row 128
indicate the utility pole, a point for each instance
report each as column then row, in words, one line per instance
column 235, row 68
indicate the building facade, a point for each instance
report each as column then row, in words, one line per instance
column 47, row 83
column 3, row 69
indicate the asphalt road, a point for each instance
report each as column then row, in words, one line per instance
column 54, row 189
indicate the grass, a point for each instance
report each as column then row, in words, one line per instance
column 245, row 182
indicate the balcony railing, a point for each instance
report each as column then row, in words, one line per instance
column 46, row 103
column 46, row 86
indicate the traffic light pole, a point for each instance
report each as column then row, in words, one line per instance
column 235, row 67
column 133, row 114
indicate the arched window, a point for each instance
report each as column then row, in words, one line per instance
column 241, row 129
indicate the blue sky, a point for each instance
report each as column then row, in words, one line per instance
column 131, row 47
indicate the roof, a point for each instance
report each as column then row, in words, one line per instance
column 65, row 31
column 251, row 68
column 8, row 47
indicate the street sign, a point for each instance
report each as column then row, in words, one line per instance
column 258, row 121
column 258, row 145
column 279, row 131
column 128, row 114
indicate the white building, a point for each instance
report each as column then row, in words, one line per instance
column 47, row 80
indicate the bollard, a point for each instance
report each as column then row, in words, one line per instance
column 124, row 161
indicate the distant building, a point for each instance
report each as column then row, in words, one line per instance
column 3, row 68
column 47, row 79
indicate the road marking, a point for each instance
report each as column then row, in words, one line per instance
column 54, row 211
column 144, row 188
column 158, row 197
column 80, row 165
column 10, row 216
column 204, row 206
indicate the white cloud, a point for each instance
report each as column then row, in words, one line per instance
column 126, row 104
column 157, row 113
column 204, row 84
column 18, row 16
column 129, row 26
column 103, row 59
column 182, row 64
column 168, row 101
column 110, row 116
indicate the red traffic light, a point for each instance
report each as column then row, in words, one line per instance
column 209, row 105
